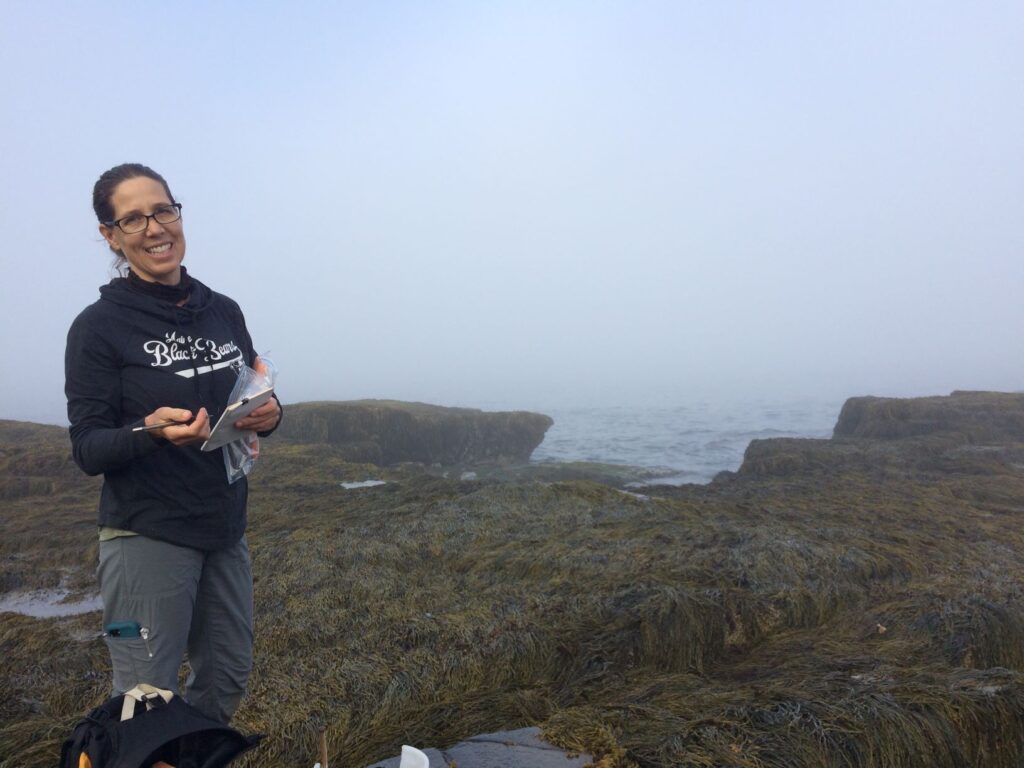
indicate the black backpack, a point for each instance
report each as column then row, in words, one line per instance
column 114, row 736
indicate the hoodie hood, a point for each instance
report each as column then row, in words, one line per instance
column 120, row 292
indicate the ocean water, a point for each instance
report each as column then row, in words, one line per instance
column 683, row 444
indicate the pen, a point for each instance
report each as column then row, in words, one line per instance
column 161, row 425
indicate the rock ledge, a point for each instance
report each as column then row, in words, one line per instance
column 388, row 432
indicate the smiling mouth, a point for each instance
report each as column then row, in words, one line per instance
column 159, row 248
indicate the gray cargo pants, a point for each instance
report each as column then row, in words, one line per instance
column 188, row 600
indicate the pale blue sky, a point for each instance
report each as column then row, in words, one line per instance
column 529, row 204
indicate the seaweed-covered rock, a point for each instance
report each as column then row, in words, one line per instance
column 976, row 432
column 27, row 432
column 836, row 603
column 980, row 417
column 387, row 431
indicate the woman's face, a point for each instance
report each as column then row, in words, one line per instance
column 154, row 254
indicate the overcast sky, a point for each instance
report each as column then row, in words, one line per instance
column 538, row 203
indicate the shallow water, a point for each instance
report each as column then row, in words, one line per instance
column 47, row 603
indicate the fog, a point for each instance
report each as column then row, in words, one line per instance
column 529, row 205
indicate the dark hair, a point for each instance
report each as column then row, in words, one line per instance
column 107, row 183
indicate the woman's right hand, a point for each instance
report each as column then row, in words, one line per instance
column 188, row 431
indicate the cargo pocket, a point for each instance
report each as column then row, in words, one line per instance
column 130, row 659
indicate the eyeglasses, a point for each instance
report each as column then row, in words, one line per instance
column 137, row 222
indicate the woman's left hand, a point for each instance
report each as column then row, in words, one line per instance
column 264, row 418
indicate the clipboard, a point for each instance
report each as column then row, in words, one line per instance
column 224, row 431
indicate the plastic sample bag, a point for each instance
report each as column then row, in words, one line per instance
column 240, row 455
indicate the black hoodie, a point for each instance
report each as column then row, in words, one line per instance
column 127, row 355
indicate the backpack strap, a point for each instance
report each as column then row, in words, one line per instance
column 143, row 693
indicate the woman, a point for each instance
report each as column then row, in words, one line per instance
column 157, row 350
